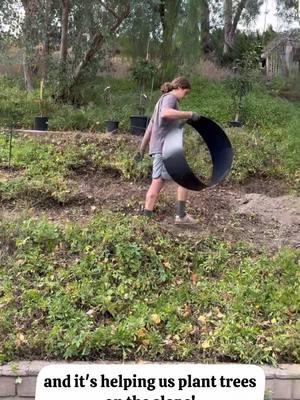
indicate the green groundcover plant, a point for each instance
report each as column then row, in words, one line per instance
column 120, row 288
column 45, row 169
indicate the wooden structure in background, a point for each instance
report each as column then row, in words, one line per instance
column 281, row 57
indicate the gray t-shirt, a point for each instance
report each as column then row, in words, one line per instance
column 161, row 126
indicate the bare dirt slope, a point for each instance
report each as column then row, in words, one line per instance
column 259, row 212
column 231, row 213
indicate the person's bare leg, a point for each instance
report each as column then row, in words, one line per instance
column 152, row 194
column 181, row 216
column 182, row 195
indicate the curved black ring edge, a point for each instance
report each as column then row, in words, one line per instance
column 219, row 147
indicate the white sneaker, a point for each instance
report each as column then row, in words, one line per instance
column 186, row 220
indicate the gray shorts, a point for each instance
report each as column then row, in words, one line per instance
column 159, row 170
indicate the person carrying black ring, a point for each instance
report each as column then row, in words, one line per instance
column 165, row 118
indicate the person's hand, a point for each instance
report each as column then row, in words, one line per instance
column 139, row 156
column 195, row 117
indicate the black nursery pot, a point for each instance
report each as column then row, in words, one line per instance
column 111, row 126
column 41, row 123
column 138, row 124
column 235, row 124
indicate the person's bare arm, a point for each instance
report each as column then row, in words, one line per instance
column 170, row 113
column 146, row 137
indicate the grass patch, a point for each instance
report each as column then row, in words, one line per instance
column 121, row 288
column 44, row 171
column 267, row 147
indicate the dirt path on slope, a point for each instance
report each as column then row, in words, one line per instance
column 227, row 212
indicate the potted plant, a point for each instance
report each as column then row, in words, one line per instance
column 111, row 124
column 242, row 82
column 139, row 122
column 41, row 122
column 239, row 86
column 143, row 73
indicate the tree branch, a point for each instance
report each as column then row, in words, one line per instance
column 162, row 13
column 121, row 18
column 237, row 16
column 109, row 9
column 112, row 11
column 97, row 41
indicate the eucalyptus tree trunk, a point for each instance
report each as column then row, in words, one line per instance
column 67, row 91
column 46, row 39
column 228, row 42
column 27, row 74
column 63, row 53
column 206, row 46
column 30, row 35
column 230, row 23
column 169, row 13
column 64, row 31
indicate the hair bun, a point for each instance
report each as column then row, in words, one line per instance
column 166, row 87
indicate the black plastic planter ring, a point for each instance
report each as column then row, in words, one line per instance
column 111, row 126
column 41, row 123
column 138, row 124
column 218, row 145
